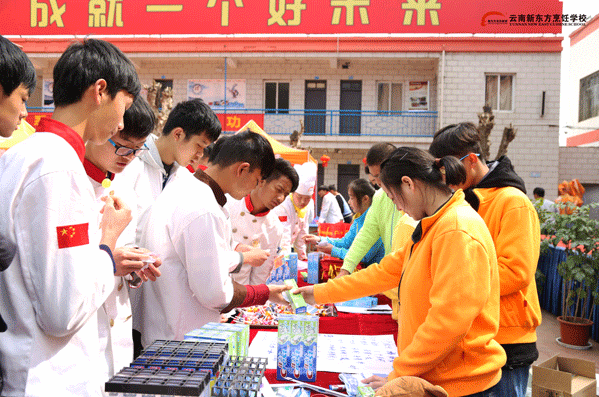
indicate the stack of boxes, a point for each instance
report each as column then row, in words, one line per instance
column 131, row 382
column 285, row 267
column 241, row 377
column 297, row 347
column 236, row 335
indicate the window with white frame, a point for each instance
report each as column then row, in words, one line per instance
column 276, row 97
column 589, row 97
column 499, row 89
column 389, row 96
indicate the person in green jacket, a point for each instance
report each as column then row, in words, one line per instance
column 382, row 216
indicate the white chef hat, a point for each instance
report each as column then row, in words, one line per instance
column 307, row 178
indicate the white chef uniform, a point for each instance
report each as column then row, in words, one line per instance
column 148, row 177
column 191, row 231
column 114, row 318
column 262, row 231
column 58, row 280
column 330, row 211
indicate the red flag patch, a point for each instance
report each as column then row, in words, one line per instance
column 283, row 218
column 72, row 235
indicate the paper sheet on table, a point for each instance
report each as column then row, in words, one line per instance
column 378, row 309
column 337, row 353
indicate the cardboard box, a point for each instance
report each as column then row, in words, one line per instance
column 564, row 377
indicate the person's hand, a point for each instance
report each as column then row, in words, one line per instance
column 116, row 215
column 307, row 293
column 276, row 293
column 375, row 382
column 302, row 256
column 243, row 248
column 327, row 248
column 255, row 257
column 342, row 272
column 128, row 258
column 311, row 239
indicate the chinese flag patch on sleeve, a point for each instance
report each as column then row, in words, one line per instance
column 283, row 218
column 72, row 235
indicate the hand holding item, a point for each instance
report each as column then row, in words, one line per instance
column 326, row 248
column 276, row 294
column 312, row 239
column 375, row 381
column 116, row 215
column 307, row 293
column 255, row 257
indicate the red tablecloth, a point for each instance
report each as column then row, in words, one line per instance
column 344, row 323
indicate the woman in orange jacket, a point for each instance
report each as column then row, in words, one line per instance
column 447, row 276
column 498, row 194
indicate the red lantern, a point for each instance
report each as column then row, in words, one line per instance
column 325, row 160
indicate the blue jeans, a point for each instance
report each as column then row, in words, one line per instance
column 513, row 383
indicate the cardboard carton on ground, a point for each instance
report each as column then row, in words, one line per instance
column 564, row 377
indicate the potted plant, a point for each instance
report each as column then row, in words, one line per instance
column 579, row 234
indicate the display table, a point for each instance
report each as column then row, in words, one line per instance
column 344, row 323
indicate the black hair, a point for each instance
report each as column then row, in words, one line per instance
column 539, row 191
column 195, row 118
column 323, row 187
column 246, row 146
column 15, row 68
column 456, row 140
column 333, row 188
column 379, row 153
column 421, row 165
column 207, row 150
column 84, row 63
column 361, row 187
column 139, row 120
column 284, row 168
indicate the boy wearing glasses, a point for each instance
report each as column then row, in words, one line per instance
column 102, row 164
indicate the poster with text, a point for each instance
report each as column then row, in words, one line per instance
column 213, row 93
column 418, row 95
column 48, row 92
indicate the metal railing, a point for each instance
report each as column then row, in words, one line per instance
column 337, row 122
column 347, row 122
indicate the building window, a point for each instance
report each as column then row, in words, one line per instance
column 276, row 97
column 589, row 97
column 499, row 91
column 389, row 96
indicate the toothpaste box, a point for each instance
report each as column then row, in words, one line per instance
column 297, row 347
column 211, row 335
column 291, row 260
column 241, row 332
column 298, row 304
column 367, row 302
column 280, row 268
column 313, row 267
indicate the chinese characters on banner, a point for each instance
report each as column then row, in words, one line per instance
column 119, row 17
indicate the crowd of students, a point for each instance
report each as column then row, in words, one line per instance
column 93, row 203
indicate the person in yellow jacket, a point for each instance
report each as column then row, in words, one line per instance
column 447, row 276
column 499, row 196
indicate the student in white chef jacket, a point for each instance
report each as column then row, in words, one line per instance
column 253, row 223
column 189, row 226
column 190, row 127
column 103, row 164
column 329, row 209
column 297, row 211
column 60, row 276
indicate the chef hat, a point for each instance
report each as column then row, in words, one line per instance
column 307, row 178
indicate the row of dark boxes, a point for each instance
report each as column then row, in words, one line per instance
column 189, row 368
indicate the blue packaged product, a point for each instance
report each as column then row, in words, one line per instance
column 292, row 264
column 313, row 267
column 297, row 347
column 367, row 302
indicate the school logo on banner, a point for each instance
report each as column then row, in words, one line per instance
column 72, row 235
